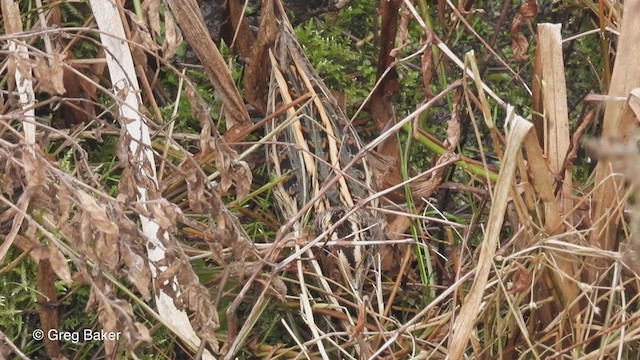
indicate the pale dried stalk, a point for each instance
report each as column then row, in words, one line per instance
column 556, row 144
column 625, row 77
column 466, row 319
column 126, row 88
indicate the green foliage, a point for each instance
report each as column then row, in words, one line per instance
column 19, row 316
column 18, row 289
column 332, row 49
column 71, row 15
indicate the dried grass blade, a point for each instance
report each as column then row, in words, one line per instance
column 556, row 143
column 554, row 95
column 466, row 319
column 625, row 77
column 543, row 183
column 307, row 309
column 486, row 109
column 189, row 17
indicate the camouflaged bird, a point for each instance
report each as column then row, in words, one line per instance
column 312, row 149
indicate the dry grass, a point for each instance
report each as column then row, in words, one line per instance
column 173, row 227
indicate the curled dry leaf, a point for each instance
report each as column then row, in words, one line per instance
column 195, row 186
column 166, row 214
column 232, row 170
column 165, row 279
column 427, row 66
column 34, row 170
column 382, row 166
column 205, row 320
column 94, row 217
column 141, row 35
column 242, row 177
column 59, row 264
column 64, row 203
column 277, row 288
column 106, row 316
column 523, row 280
column 138, row 268
column 192, row 296
column 519, row 42
column 231, row 233
column 116, row 315
column 424, row 188
column 50, row 75
column 9, row 180
column 405, row 20
column 453, row 130
column 172, row 37
column 151, row 9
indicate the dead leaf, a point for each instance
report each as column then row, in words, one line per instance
column 97, row 213
column 59, row 264
column 33, row 170
column 453, row 128
column 427, row 66
column 105, row 239
column 523, row 280
column 50, row 75
column 520, row 43
column 172, row 37
column 151, row 9
column 138, row 271
column 64, row 203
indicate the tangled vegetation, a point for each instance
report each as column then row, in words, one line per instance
column 155, row 156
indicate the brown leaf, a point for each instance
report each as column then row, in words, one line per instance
column 97, row 213
column 167, row 276
column 33, row 170
column 424, row 188
column 195, row 186
column 151, row 9
column 427, row 67
column 453, row 130
column 142, row 334
column 172, row 37
column 115, row 315
column 141, row 35
column 138, row 270
column 50, row 75
column 520, row 46
column 520, row 43
column 165, row 214
column 59, row 264
column 64, row 203
column 277, row 288
column 523, row 280
column 242, row 178
column 105, row 239
column 108, row 319
column 205, row 320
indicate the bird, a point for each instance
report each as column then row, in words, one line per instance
column 313, row 145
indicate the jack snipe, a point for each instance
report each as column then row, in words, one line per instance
column 312, row 149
